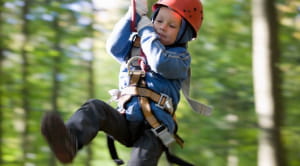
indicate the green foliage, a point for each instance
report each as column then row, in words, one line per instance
column 221, row 69
column 221, row 77
column 290, row 45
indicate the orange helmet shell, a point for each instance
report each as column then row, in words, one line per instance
column 190, row 10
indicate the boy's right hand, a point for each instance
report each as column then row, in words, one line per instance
column 141, row 7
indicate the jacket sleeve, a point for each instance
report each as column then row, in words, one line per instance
column 119, row 42
column 171, row 63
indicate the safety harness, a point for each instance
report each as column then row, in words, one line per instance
column 138, row 88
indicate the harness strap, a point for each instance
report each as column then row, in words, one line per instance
column 195, row 105
column 147, row 113
column 161, row 100
column 113, row 151
column 145, row 94
column 174, row 159
column 159, row 129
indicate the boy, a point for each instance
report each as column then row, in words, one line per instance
column 144, row 119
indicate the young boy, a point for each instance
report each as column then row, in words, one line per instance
column 144, row 120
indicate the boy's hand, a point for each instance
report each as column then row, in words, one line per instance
column 141, row 7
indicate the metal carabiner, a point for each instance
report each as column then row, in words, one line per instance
column 130, row 61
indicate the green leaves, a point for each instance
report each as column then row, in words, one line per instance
column 221, row 77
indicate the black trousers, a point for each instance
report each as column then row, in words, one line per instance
column 96, row 115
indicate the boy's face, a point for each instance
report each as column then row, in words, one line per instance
column 167, row 25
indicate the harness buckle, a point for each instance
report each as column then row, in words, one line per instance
column 164, row 135
column 168, row 103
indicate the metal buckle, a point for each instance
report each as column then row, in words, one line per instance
column 168, row 104
column 158, row 104
column 164, row 135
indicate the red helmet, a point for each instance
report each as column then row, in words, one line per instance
column 190, row 10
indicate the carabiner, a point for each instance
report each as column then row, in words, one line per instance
column 131, row 60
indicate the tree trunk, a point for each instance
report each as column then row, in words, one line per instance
column 25, row 84
column 1, row 107
column 1, row 81
column 1, row 104
column 232, row 159
column 267, row 82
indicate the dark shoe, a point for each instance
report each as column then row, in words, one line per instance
column 60, row 139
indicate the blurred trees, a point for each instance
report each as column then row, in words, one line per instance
column 24, row 79
column 1, row 82
column 52, row 58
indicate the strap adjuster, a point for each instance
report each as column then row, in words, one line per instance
column 164, row 135
column 159, row 103
column 168, row 105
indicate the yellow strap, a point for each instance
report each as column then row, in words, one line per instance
column 134, row 79
column 147, row 112
column 145, row 92
column 151, row 119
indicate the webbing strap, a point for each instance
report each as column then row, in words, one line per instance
column 146, row 109
column 155, row 124
column 151, row 119
column 135, row 78
column 145, row 105
column 156, row 97
column 195, row 105
column 113, row 151
column 176, row 160
column 160, row 99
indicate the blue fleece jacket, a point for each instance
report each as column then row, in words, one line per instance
column 169, row 66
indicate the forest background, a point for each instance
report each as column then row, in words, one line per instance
column 53, row 58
